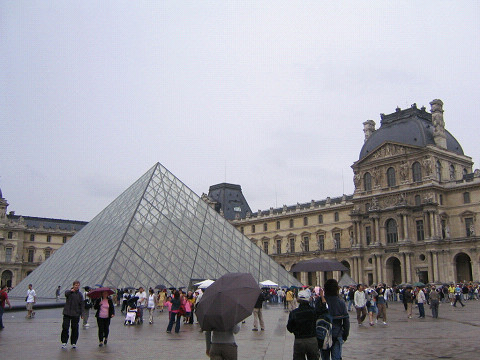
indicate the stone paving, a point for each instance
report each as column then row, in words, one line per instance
column 455, row 335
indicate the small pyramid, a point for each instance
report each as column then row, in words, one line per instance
column 158, row 231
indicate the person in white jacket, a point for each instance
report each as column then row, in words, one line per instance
column 360, row 304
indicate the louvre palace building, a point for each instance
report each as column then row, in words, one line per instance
column 412, row 216
column 26, row 242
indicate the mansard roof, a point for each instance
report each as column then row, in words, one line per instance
column 411, row 126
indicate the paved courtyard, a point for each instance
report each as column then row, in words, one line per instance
column 455, row 335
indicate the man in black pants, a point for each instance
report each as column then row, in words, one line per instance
column 72, row 311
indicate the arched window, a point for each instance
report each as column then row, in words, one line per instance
column 367, row 181
column 391, row 177
column 417, row 172
column 392, row 232
column 439, row 171
column 452, row 172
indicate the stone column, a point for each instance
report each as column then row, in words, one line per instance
column 475, row 267
column 436, row 276
column 408, row 267
column 403, row 267
column 379, row 268
column 432, row 225
column 405, row 227
column 360, row 270
column 431, row 272
column 375, row 271
column 303, row 277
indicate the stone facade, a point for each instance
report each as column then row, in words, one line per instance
column 411, row 218
column 26, row 242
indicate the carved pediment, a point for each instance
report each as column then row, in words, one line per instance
column 387, row 150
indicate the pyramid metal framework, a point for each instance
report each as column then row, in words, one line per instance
column 158, row 231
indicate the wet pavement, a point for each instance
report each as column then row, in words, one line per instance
column 454, row 335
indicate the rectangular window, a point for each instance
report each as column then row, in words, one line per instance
column 306, row 243
column 320, row 219
column 279, row 246
column 265, row 247
column 336, row 237
column 368, row 234
column 49, row 238
column 444, row 226
column 47, row 254
column 30, row 255
column 32, row 237
column 466, row 198
column 8, row 254
column 241, row 230
column 321, row 242
column 292, row 245
column 291, row 223
column 278, row 225
column 420, row 232
column 469, row 226
column 64, row 240
column 253, row 229
column 265, row 227
column 305, row 221
column 10, row 235
column 336, row 216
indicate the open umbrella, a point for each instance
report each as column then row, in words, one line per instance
column 129, row 288
column 160, row 287
column 319, row 264
column 227, row 301
column 97, row 293
column 418, row 283
column 204, row 284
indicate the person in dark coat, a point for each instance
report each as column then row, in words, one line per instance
column 302, row 323
column 340, row 320
column 72, row 311
column 257, row 312
column 105, row 311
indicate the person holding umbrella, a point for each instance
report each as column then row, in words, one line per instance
column 221, row 344
column 105, row 311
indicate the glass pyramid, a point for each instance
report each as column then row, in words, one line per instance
column 157, row 231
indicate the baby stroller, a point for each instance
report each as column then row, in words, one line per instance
column 132, row 318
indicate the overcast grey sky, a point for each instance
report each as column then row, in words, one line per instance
column 270, row 95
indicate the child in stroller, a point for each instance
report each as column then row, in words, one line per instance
column 132, row 313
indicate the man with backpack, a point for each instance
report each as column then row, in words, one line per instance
column 333, row 309
column 302, row 323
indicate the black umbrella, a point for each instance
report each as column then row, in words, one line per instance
column 318, row 264
column 160, row 287
column 129, row 288
column 227, row 301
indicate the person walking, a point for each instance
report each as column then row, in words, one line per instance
column 370, row 305
column 151, row 304
column 302, row 323
column 105, row 311
column 382, row 304
column 434, row 301
column 141, row 302
column 360, row 304
column 221, row 345
column 257, row 313
column 175, row 313
column 86, row 308
column 337, row 310
column 72, row 311
column 3, row 300
column 30, row 299
column 458, row 296
column 420, row 301
column 408, row 298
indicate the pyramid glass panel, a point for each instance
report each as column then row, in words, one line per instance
column 157, row 231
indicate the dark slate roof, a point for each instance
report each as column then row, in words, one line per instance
column 46, row 223
column 230, row 199
column 410, row 127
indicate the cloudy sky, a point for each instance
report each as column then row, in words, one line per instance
column 270, row 95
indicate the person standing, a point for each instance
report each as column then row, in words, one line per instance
column 141, row 302
column 289, row 300
column 3, row 300
column 57, row 293
column 86, row 308
column 360, row 304
column 337, row 309
column 302, row 323
column 175, row 313
column 151, row 304
column 382, row 304
column 105, row 311
column 434, row 302
column 72, row 311
column 408, row 297
column 257, row 313
column 30, row 299
column 458, row 296
column 221, row 345
column 421, row 300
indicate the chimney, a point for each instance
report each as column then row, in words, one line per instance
column 368, row 128
column 438, row 123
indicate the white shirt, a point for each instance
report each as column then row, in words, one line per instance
column 142, row 298
column 31, row 295
column 360, row 299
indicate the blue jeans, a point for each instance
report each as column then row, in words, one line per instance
column 172, row 320
column 421, row 310
column 335, row 352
